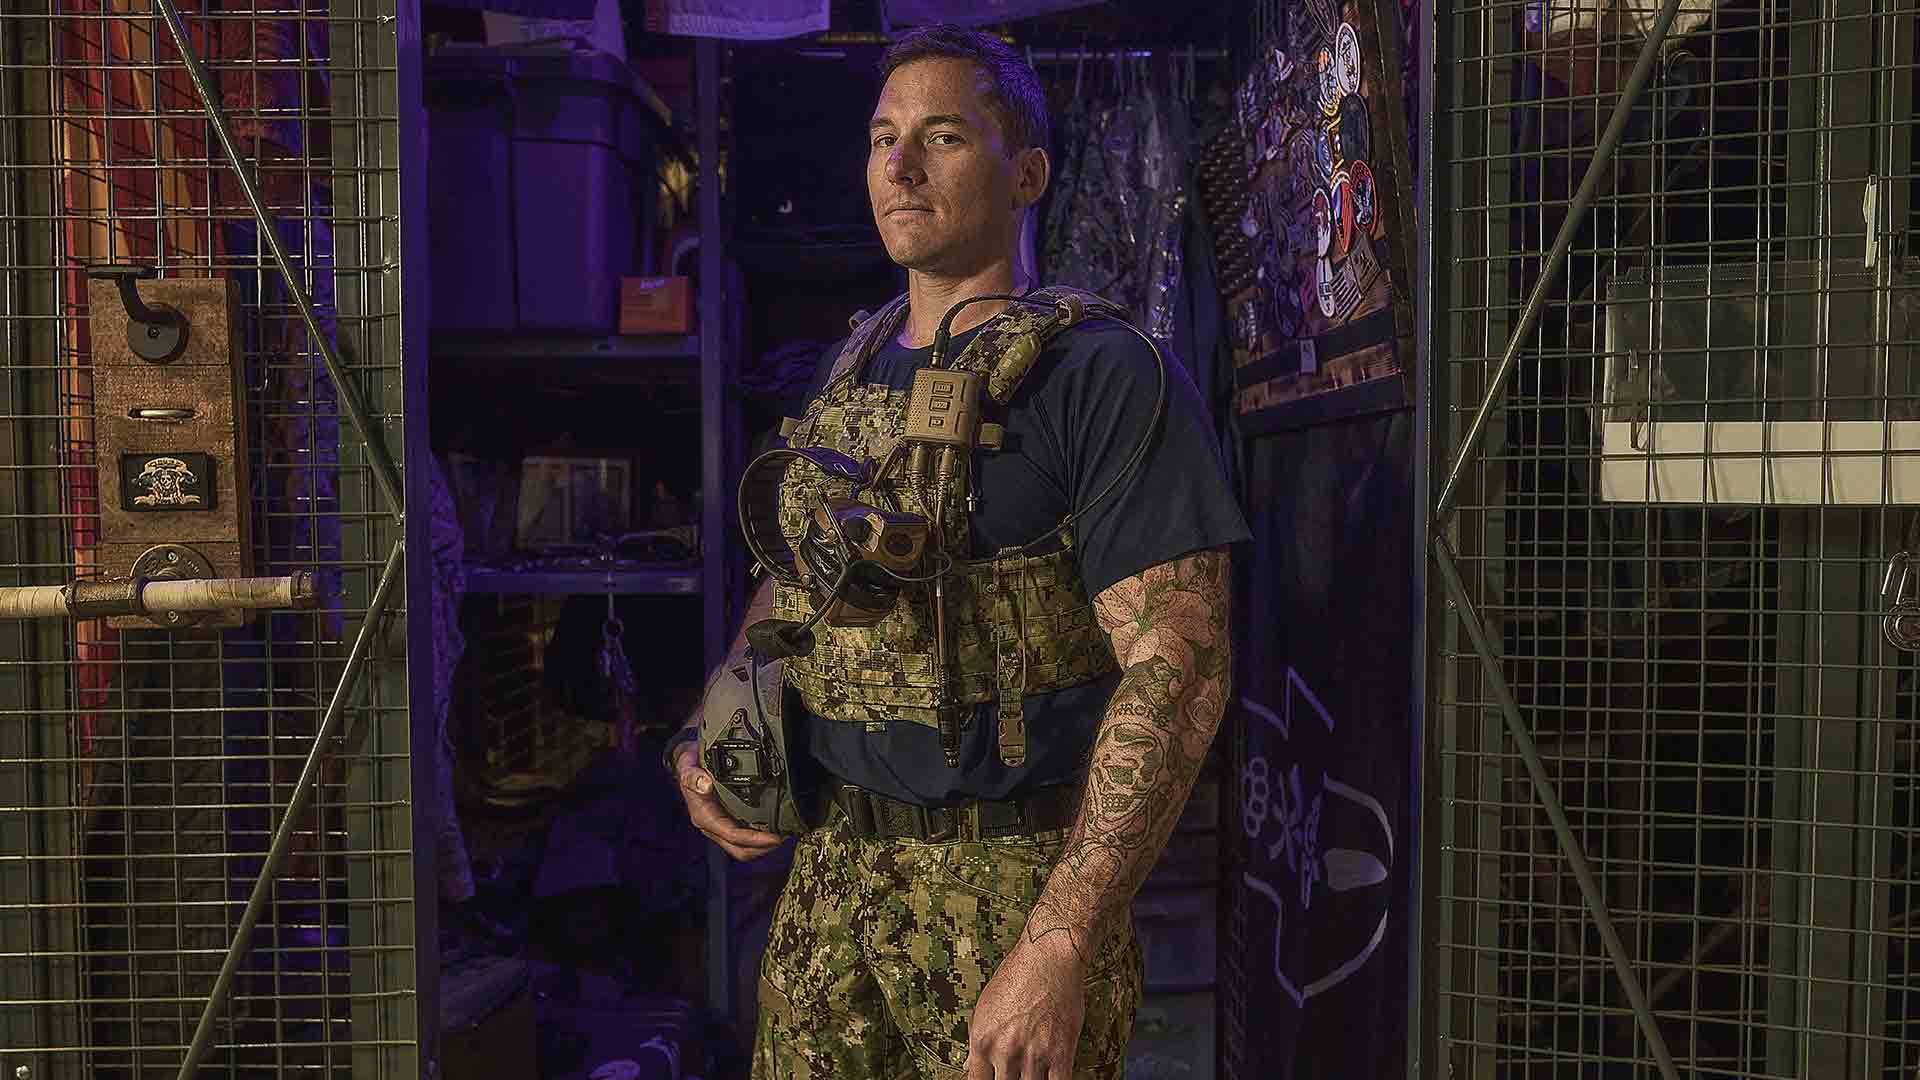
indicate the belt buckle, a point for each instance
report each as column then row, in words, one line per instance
column 1000, row 828
column 859, row 808
column 949, row 828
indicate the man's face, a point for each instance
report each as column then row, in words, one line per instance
column 947, row 196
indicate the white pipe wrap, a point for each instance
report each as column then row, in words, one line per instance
column 216, row 594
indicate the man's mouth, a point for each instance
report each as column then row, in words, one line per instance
column 910, row 210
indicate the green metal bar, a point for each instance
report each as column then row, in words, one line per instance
column 1550, row 802
column 1576, row 215
column 302, row 793
column 706, row 80
column 384, row 471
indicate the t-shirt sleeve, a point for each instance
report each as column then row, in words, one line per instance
column 823, row 367
column 1099, row 402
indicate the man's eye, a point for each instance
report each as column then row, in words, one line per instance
column 883, row 142
column 947, row 135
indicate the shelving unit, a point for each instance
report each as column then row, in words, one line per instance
column 630, row 581
column 695, row 368
column 580, row 347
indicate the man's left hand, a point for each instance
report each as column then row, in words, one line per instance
column 1026, row 1025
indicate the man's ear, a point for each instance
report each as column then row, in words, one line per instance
column 1032, row 169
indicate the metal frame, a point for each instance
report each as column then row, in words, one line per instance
column 1432, row 296
column 1444, row 557
column 35, row 686
column 416, row 397
column 47, row 951
column 713, row 381
column 386, row 476
column 1831, row 872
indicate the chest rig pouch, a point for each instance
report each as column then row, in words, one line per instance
column 971, row 630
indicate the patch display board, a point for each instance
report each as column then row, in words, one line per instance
column 1320, row 228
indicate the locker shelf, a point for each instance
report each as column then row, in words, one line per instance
column 560, row 346
column 631, row 581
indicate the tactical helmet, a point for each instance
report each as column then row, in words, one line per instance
column 743, row 745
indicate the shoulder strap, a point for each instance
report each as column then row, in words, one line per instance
column 1006, row 347
column 868, row 335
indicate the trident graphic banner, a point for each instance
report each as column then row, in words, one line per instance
column 1315, row 969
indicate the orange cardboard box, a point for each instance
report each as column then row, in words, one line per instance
column 655, row 305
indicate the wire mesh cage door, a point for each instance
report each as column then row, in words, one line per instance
column 148, row 763
column 1674, row 685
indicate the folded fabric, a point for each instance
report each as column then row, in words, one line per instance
column 602, row 31
column 744, row 20
column 534, row 9
column 973, row 12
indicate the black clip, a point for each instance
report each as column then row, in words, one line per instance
column 156, row 334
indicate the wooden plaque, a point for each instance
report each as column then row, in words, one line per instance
column 171, row 439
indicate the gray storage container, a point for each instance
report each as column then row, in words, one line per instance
column 541, row 189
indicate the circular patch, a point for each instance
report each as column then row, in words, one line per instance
column 1323, row 281
column 1363, row 192
column 1322, row 158
column 1249, row 223
column 1329, row 82
column 1322, row 224
column 1342, row 191
column 1346, row 59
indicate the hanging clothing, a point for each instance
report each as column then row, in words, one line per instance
column 739, row 20
column 973, row 12
column 1116, row 224
column 532, row 9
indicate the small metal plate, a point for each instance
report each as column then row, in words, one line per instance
column 174, row 562
column 168, row 482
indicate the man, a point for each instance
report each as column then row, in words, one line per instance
column 1007, row 953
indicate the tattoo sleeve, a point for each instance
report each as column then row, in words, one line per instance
column 1169, row 630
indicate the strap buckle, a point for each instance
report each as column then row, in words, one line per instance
column 949, row 828
column 859, row 808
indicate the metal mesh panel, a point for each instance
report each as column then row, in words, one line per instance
column 143, row 773
column 1670, row 542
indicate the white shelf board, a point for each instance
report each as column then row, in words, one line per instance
column 1762, row 463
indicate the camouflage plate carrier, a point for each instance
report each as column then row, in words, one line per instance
column 1016, row 624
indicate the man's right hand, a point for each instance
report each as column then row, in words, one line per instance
column 712, row 819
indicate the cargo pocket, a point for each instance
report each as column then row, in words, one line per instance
column 1008, row 871
column 1007, row 876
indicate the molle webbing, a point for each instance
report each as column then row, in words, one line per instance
column 1016, row 624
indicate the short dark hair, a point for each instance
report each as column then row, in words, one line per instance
column 1013, row 90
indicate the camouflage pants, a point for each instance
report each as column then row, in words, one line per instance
column 880, row 948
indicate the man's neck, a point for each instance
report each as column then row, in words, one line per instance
column 929, row 296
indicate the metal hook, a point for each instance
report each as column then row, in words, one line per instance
column 157, row 333
column 1901, row 624
column 1900, row 561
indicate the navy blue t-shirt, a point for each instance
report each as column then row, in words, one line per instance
column 1070, row 428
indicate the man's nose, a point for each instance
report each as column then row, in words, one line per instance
column 903, row 164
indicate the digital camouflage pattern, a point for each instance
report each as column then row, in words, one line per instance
column 880, row 948
column 1016, row 625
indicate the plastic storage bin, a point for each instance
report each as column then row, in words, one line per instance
column 541, row 189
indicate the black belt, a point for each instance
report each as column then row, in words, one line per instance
column 872, row 816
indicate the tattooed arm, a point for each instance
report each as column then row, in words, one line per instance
column 1169, row 631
